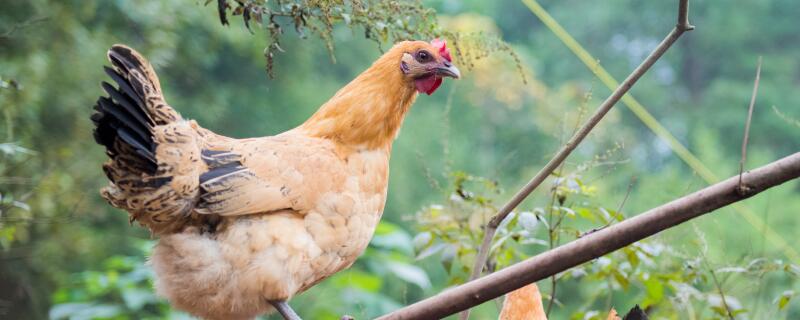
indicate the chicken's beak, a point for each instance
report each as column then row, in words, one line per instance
column 447, row 69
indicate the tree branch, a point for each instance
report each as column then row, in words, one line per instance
column 490, row 229
column 601, row 242
column 683, row 16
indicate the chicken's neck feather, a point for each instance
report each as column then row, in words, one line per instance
column 367, row 112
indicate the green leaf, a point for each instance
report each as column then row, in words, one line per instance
column 731, row 270
column 655, row 289
column 136, row 298
column 448, row 256
column 621, row 279
column 358, row 279
column 368, row 302
column 385, row 227
column 784, row 299
column 81, row 311
column 7, row 235
column 791, row 269
column 410, row 273
column 738, row 311
column 67, row 310
column 429, row 251
column 389, row 236
column 12, row 148
column 720, row 311
column 422, row 240
column 586, row 213
column 566, row 210
column 633, row 259
column 528, row 220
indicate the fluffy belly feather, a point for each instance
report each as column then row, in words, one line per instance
column 253, row 259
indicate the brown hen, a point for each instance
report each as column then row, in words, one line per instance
column 245, row 224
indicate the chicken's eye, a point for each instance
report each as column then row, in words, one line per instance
column 424, row 56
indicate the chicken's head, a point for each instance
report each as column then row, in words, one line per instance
column 427, row 63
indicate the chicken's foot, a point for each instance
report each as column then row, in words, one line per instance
column 285, row 310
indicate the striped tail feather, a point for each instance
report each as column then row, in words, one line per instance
column 152, row 168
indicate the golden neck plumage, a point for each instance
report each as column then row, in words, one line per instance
column 367, row 112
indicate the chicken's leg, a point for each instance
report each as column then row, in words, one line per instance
column 285, row 310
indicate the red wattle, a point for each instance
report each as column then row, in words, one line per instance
column 428, row 85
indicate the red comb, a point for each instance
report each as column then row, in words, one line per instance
column 442, row 46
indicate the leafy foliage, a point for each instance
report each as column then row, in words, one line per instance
column 13, row 198
column 381, row 21
column 121, row 289
column 453, row 230
column 666, row 281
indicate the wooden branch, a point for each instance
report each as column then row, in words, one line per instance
column 601, row 242
column 683, row 16
column 491, row 228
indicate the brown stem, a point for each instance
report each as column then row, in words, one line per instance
column 554, row 286
column 742, row 188
column 718, row 286
column 683, row 16
column 601, row 242
column 551, row 230
column 627, row 194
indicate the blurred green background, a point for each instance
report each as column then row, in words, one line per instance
column 66, row 254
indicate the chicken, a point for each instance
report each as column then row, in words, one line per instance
column 245, row 224
column 523, row 304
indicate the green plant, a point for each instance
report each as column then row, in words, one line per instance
column 667, row 282
column 380, row 21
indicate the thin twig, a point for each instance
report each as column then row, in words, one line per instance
column 22, row 25
column 553, row 285
column 762, row 284
column 719, row 289
column 600, row 243
column 714, row 279
column 552, row 231
column 619, row 209
column 555, row 162
column 627, row 194
column 743, row 188
column 551, row 234
column 785, row 117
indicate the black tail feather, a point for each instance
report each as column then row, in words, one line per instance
column 142, row 132
column 122, row 118
column 123, row 59
column 142, row 135
column 139, row 113
column 141, row 149
column 134, row 108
